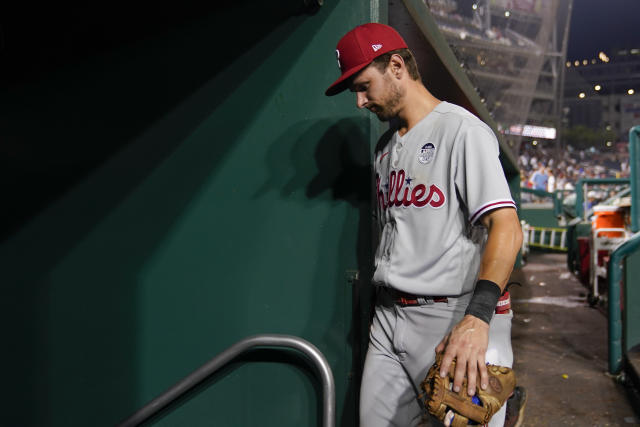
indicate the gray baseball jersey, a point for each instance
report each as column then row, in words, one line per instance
column 433, row 184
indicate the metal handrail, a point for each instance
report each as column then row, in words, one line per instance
column 196, row 377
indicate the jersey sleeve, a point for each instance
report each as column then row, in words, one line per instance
column 478, row 173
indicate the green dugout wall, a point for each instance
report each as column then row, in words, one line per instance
column 175, row 180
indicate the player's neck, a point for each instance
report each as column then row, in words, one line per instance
column 418, row 103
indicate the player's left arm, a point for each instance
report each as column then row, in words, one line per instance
column 469, row 339
column 503, row 244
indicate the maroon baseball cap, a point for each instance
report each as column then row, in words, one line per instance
column 359, row 47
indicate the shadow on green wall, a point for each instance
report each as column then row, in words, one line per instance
column 331, row 159
column 344, row 168
column 312, row 160
column 81, row 139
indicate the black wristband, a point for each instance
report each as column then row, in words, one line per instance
column 484, row 300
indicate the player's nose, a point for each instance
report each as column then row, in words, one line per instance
column 361, row 99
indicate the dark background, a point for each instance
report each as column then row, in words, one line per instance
column 599, row 25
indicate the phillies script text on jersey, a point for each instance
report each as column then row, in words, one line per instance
column 399, row 192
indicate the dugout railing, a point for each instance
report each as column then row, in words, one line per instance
column 623, row 287
column 197, row 377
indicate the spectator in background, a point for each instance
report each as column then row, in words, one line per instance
column 539, row 179
column 569, row 184
column 551, row 181
column 561, row 181
column 592, row 199
column 523, row 160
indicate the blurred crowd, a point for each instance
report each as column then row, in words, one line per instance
column 550, row 169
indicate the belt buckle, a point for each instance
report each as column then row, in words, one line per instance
column 405, row 302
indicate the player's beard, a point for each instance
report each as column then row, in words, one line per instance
column 387, row 108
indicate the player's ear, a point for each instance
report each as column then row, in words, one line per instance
column 397, row 65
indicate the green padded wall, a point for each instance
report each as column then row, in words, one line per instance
column 174, row 180
column 539, row 217
column 631, row 310
column 180, row 188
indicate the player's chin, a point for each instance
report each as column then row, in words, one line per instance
column 383, row 116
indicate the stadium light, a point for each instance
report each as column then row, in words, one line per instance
column 474, row 6
column 568, row 64
column 609, row 143
column 581, row 95
column 535, row 142
column 631, row 91
column 507, row 13
column 585, row 62
column 577, row 63
column 597, row 87
column 603, row 57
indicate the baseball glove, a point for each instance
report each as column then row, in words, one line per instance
column 457, row 409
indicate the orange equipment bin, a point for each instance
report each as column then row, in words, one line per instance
column 607, row 232
column 608, row 217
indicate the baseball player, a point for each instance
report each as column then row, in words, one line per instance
column 449, row 233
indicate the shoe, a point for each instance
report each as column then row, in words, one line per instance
column 515, row 407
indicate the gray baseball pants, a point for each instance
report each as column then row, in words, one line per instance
column 402, row 344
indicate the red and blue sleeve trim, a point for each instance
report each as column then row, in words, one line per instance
column 491, row 206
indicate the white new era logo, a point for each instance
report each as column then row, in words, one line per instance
column 376, row 47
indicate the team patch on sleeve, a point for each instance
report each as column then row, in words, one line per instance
column 496, row 204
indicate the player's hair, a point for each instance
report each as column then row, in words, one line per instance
column 382, row 62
